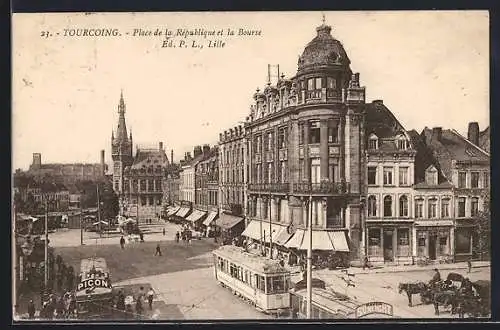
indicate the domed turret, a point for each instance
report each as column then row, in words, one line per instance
column 323, row 51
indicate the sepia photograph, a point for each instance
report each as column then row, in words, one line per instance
column 211, row 166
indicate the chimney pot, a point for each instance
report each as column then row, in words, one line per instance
column 473, row 133
column 160, row 145
column 437, row 132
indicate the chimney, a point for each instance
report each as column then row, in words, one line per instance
column 171, row 156
column 37, row 160
column 206, row 149
column 103, row 166
column 473, row 133
column 160, row 146
column 197, row 151
column 437, row 132
column 220, row 136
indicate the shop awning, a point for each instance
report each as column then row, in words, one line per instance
column 227, row 221
column 182, row 212
column 196, row 215
column 211, row 217
column 433, row 223
column 283, row 236
column 320, row 241
column 252, row 230
column 171, row 210
column 339, row 241
column 296, row 240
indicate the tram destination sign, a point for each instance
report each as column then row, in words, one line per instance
column 374, row 307
column 93, row 283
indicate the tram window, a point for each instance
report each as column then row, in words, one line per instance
column 221, row 263
column 233, row 270
column 276, row 284
column 261, row 284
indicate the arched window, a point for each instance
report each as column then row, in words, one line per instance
column 387, row 206
column 373, row 142
column 403, row 206
column 401, row 142
column 432, row 208
column 372, row 206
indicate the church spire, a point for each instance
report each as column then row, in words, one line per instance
column 121, row 132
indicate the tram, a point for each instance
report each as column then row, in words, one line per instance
column 260, row 281
column 94, row 292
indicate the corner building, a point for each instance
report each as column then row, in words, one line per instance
column 305, row 141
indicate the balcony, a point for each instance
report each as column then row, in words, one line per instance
column 329, row 188
column 269, row 187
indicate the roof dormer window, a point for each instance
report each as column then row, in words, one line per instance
column 402, row 143
column 431, row 176
column 373, row 142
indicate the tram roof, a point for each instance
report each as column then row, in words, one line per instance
column 99, row 264
column 330, row 302
column 255, row 262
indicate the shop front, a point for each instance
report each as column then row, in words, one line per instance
column 464, row 238
column 389, row 243
column 434, row 241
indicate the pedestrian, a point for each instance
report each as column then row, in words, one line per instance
column 365, row 263
column 31, row 309
column 436, row 278
column 469, row 266
column 122, row 242
column 163, row 231
column 120, row 303
column 138, row 307
column 151, row 294
column 158, row 250
column 177, row 237
column 141, row 236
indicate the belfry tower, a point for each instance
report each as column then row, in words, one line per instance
column 121, row 148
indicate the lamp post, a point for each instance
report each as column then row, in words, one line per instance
column 46, row 261
column 309, row 261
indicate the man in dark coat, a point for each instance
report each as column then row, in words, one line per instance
column 31, row 309
column 120, row 302
column 436, row 278
column 122, row 242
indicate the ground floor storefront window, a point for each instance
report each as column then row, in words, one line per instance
column 433, row 243
column 389, row 242
column 463, row 240
column 374, row 242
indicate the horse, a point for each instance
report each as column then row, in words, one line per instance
column 445, row 299
column 411, row 289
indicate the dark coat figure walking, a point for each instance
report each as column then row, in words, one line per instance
column 177, row 237
column 122, row 242
column 151, row 294
column 469, row 266
column 163, row 231
column 138, row 307
column 120, row 302
column 158, row 250
column 141, row 236
column 31, row 309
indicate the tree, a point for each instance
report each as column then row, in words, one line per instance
column 482, row 224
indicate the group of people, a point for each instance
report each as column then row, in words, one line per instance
column 124, row 303
column 62, row 307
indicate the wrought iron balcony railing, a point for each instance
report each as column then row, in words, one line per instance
column 334, row 188
column 269, row 187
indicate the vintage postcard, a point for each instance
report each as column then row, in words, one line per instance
column 251, row 165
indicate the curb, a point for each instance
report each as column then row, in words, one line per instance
column 381, row 271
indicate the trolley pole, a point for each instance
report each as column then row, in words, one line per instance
column 261, row 236
column 309, row 262
column 99, row 212
column 46, row 275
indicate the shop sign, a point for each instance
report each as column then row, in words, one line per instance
column 93, row 283
column 375, row 307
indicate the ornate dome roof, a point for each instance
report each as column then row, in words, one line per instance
column 323, row 50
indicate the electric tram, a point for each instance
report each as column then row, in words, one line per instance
column 260, row 281
column 94, row 292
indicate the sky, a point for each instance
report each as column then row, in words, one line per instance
column 430, row 69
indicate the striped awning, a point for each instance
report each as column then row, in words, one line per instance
column 283, row 237
column 196, row 215
column 321, row 240
column 172, row 209
column 182, row 212
column 211, row 217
